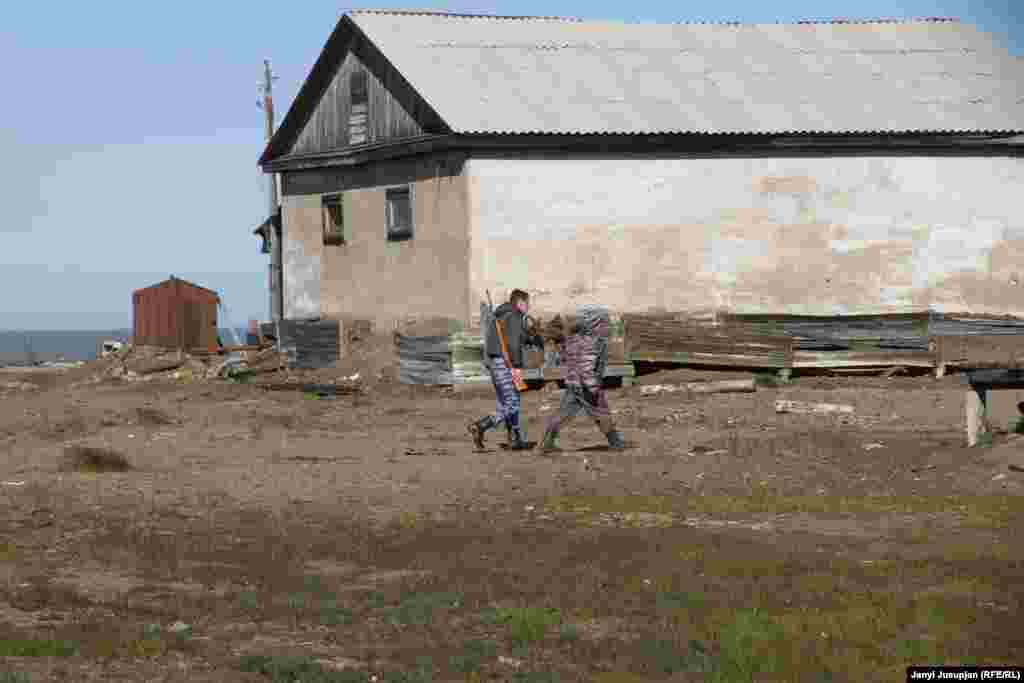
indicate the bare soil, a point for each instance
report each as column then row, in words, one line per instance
column 364, row 535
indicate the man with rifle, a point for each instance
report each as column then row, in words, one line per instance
column 505, row 335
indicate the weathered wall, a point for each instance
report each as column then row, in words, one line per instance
column 386, row 119
column 301, row 255
column 813, row 236
column 368, row 276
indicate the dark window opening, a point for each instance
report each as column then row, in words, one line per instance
column 359, row 101
column 334, row 219
column 399, row 213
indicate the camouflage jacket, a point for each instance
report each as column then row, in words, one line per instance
column 583, row 359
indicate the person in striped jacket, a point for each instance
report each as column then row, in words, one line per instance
column 512, row 316
column 584, row 357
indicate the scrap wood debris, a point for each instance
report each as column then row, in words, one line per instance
column 721, row 387
column 148, row 364
column 784, row 406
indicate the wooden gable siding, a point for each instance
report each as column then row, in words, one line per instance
column 328, row 128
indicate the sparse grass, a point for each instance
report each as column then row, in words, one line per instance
column 299, row 670
column 297, row 601
column 536, row 677
column 315, row 596
column 667, row 657
column 332, row 614
column 376, row 600
column 526, row 624
column 680, row 600
column 1017, row 425
column 249, row 601
column 241, row 375
column 146, row 647
column 423, row 673
column 36, row 648
column 569, row 633
column 94, row 459
column 749, row 646
column 474, row 654
column 307, row 670
column 989, row 511
column 771, row 379
column 14, row 677
column 418, row 609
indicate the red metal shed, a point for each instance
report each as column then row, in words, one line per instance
column 175, row 314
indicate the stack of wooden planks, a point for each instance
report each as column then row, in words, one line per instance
column 847, row 341
column 439, row 351
column 703, row 338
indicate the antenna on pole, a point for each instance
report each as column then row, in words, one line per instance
column 266, row 89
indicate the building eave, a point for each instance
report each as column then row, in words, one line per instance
column 656, row 145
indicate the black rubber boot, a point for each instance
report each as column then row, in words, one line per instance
column 615, row 440
column 516, row 443
column 478, row 429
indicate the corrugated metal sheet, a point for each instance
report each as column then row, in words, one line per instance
column 175, row 314
column 537, row 75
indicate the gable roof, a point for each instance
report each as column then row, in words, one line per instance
column 172, row 280
column 541, row 75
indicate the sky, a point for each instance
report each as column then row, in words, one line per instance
column 131, row 132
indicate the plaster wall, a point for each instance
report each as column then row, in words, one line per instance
column 813, row 236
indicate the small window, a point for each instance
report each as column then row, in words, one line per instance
column 357, row 83
column 359, row 108
column 399, row 213
column 334, row 219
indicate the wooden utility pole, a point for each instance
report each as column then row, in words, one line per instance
column 276, row 280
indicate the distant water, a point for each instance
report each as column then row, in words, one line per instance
column 50, row 345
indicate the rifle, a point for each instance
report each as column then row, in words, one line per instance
column 520, row 385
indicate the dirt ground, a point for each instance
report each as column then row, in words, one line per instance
column 257, row 535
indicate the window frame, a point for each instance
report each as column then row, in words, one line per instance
column 406, row 234
column 333, row 237
column 358, row 134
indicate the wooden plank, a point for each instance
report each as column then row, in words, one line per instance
column 784, row 406
column 701, row 340
column 845, row 332
column 975, row 407
column 712, row 359
column 723, row 387
column 855, row 359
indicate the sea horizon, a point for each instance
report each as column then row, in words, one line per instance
column 19, row 347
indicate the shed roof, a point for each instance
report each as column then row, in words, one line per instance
column 518, row 75
column 172, row 279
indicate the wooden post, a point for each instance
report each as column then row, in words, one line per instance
column 276, row 276
column 940, row 370
column 975, row 403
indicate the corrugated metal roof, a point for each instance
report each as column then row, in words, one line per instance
column 547, row 75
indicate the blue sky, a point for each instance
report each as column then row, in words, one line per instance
column 131, row 133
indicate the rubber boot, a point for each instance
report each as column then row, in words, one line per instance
column 478, row 429
column 516, row 443
column 550, row 442
column 615, row 440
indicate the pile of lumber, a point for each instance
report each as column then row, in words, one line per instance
column 901, row 331
column 441, row 351
column 702, row 339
